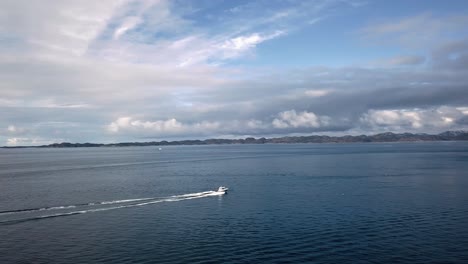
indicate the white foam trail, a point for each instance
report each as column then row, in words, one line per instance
column 174, row 198
column 62, row 207
column 192, row 194
column 125, row 201
column 149, row 201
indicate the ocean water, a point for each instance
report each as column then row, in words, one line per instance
column 304, row 203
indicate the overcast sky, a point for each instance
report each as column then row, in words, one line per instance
column 124, row 70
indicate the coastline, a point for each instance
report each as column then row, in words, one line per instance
column 377, row 138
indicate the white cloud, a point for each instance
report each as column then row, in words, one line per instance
column 60, row 26
column 194, row 50
column 291, row 119
column 316, row 93
column 24, row 141
column 127, row 126
column 121, row 122
column 413, row 119
column 12, row 141
column 128, row 24
column 393, row 118
column 464, row 110
column 256, row 124
column 103, row 29
column 242, row 43
column 160, row 127
column 15, row 130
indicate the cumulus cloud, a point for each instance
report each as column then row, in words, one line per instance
column 169, row 127
column 12, row 141
column 11, row 128
column 293, row 119
column 393, row 118
column 35, row 141
column 414, row 119
column 166, row 126
column 174, row 128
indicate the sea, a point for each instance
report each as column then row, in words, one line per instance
column 287, row 203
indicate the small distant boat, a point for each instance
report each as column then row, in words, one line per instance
column 222, row 189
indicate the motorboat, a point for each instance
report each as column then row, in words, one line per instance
column 222, row 189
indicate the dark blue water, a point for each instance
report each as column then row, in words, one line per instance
column 311, row 203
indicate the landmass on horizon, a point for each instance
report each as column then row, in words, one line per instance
column 382, row 137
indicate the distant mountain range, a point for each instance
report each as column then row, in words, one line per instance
column 383, row 137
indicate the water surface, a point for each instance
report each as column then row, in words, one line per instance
column 302, row 203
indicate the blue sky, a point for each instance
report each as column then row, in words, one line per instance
column 138, row 70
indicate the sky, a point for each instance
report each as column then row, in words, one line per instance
column 143, row 70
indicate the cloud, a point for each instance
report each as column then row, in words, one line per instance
column 452, row 55
column 11, row 128
column 195, row 50
column 98, row 93
column 41, row 132
column 145, row 69
column 128, row 24
column 60, row 26
column 156, row 32
column 169, row 127
column 246, row 42
column 442, row 118
column 290, row 118
column 316, row 93
column 12, row 141
column 166, row 126
column 423, row 30
column 36, row 141
column 147, row 31
column 406, row 60
column 393, row 118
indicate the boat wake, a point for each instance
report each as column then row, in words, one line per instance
column 61, row 207
column 31, row 214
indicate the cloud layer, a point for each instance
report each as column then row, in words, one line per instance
column 134, row 70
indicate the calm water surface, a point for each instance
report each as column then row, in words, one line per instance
column 305, row 203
